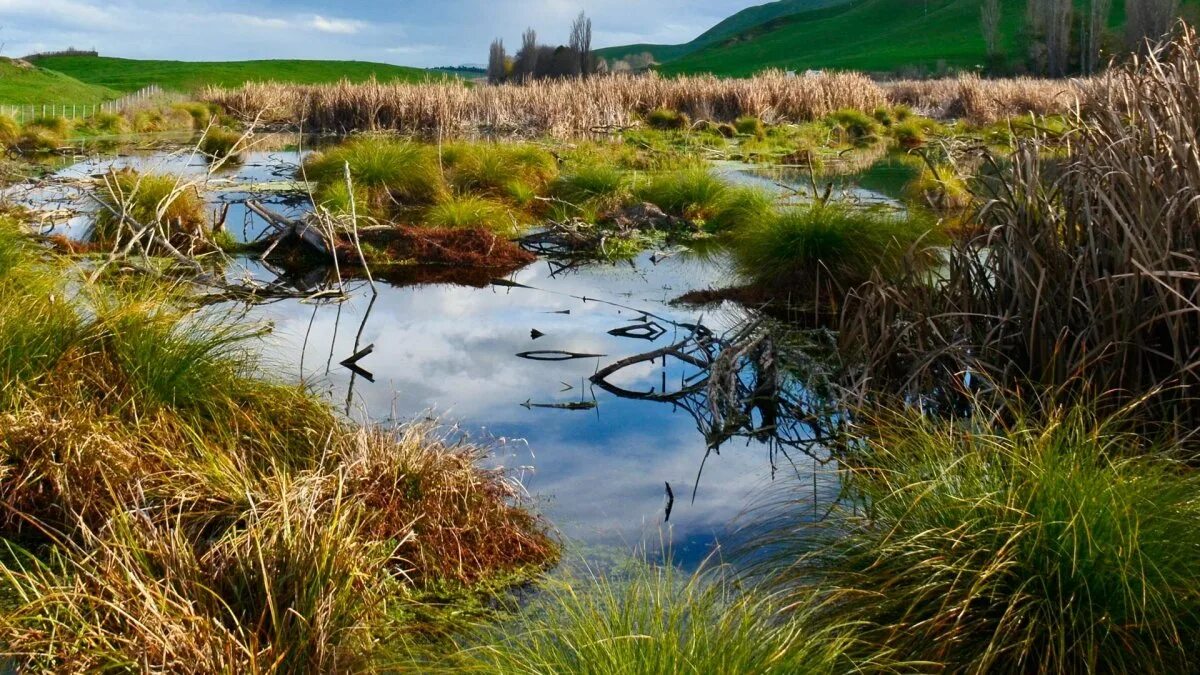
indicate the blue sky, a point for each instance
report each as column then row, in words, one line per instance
column 420, row 33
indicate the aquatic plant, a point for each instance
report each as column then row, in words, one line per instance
column 656, row 621
column 1054, row 546
column 593, row 184
column 832, row 247
column 499, row 168
column 693, row 194
column 131, row 201
column 221, row 144
column 940, row 185
column 395, row 173
column 741, row 207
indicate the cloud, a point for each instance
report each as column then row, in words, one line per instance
column 336, row 26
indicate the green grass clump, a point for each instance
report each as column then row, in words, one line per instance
column 593, row 184
column 201, row 113
column 134, row 200
column 1057, row 546
column 463, row 211
column 694, row 194
column 500, row 168
column 940, row 187
column 34, row 139
column 831, row 246
column 107, row 123
column 750, row 126
column 395, row 173
column 856, row 126
column 741, row 207
column 665, row 119
column 59, row 126
column 653, row 622
column 220, row 144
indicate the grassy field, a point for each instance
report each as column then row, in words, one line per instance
column 21, row 85
column 127, row 75
column 743, row 20
column 870, row 35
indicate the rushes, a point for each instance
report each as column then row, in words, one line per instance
column 547, row 107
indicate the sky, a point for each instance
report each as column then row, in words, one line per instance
column 407, row 32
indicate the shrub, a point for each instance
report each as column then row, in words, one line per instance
column 1061, row 546
column 832, row 247
column 395, row 173
column 666, row 119
column 750, row 126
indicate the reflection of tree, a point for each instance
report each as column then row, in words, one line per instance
column 746, row 386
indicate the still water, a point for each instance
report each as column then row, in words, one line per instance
column 671, row 450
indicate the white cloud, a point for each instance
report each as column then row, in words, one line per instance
column 336, row 26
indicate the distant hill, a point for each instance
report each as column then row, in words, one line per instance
column 747, row 18
column 128, row 75
column 22, row 84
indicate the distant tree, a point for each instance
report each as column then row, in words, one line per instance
column 497, row 69
column 640, row 61
column 1094, row 26
column 527, row 57
column 989, row 19
column 580, row 45
column 1148, row 20
column 1049, row 23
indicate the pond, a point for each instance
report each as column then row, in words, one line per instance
column 703, row 410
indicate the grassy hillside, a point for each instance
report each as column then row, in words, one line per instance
column 130, row 75
column 743, row 20
column 21, row 84
column 871, row 35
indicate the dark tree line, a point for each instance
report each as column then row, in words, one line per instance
column 1061, row 37
column 537, row 61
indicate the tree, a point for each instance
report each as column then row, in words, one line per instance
column 1148, row 20
column 1050, row 35
column 497, row 68
column 1095, row 27
column 989, row 20
column 580, row 45
column 527, row 58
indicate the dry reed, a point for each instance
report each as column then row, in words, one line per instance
column 983, row 101
column 558, row 108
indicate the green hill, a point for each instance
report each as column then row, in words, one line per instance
column 21, row 84
column 743, row 20
column 130, row 75
column 870, row 35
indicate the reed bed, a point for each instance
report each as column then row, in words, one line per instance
column 556, row 108
column 984, row 101
column 1088, row 272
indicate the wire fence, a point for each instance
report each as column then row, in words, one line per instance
column 77, row 111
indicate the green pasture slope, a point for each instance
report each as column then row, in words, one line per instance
column 743, row 20
column 869, row 35
column 23, row 85
column 126, row 75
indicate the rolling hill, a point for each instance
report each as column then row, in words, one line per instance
column 126, row 75
column 22, row 84
column 746, row 19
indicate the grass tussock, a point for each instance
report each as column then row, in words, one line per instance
column 832, row 247
column 394, row 173
column 653, row 621
column 168, row 205
column 168, row 510
column 459, row 212
column 1061, row 546
column 221, row 145
column 10, row 132
column 1091, row 277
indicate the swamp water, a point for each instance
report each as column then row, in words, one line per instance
column 651, row 456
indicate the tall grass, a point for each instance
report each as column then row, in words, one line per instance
column 656, row 621
column 547, row 107
column 182, row 513
column 1088, row 272
column 982, row 101
column 1060, row 546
